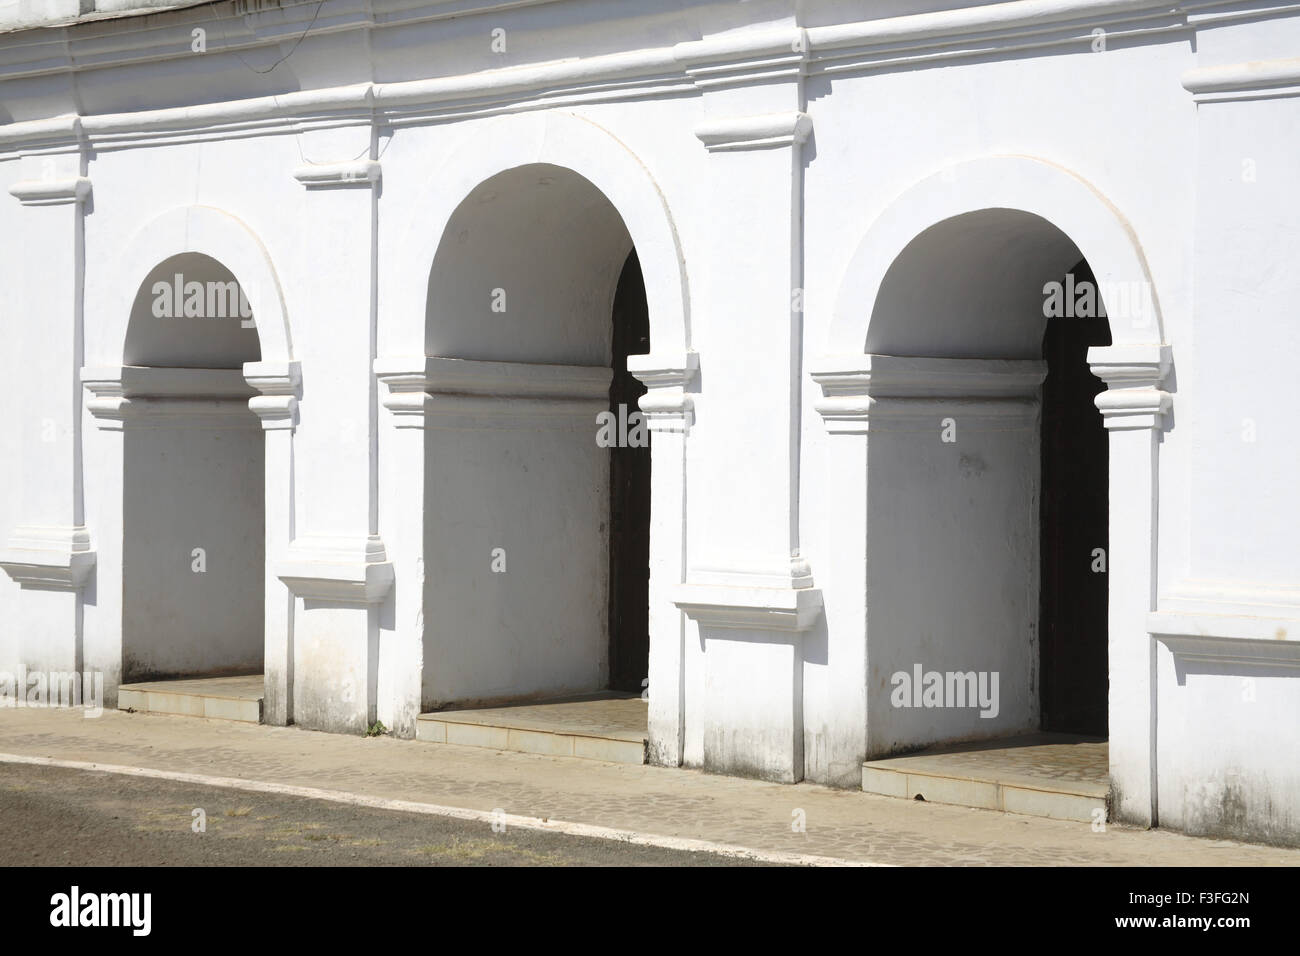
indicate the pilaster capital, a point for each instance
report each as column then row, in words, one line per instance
column 49, row 558
column 764, row 131
column 667, row 403
column 337, row 569
column 1133, row 374
column 279, row 386
column 52, row 192
column 355, row 172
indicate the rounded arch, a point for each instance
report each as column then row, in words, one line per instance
column 219, row 236
column 557, row 139
column 1021, row 184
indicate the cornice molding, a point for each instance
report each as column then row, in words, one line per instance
column 36, row 136
column 48, row 557
column 760, row 55
column 1258, row 79
column 995, row 28
column 765, row 55
column 337, row 569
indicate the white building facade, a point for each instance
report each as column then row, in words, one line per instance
column 313, row 310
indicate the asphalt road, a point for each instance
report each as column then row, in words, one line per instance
column 56, row 817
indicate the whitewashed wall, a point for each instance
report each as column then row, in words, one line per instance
column 748, row 156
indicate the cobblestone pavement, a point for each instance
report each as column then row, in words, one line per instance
column 653, row 800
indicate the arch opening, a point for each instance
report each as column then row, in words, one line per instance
column 537, row 460
column 988, row 486
column 194, row 478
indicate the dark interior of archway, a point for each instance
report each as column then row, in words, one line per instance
column 629, row 506
column 1075, row 523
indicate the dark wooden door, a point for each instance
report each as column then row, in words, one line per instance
column 1075, row 524
column 629, row 505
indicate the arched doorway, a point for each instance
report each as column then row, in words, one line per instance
column 994, row 231
column 536, row 461
column 982, row 573
column 193, row 478
column 989, row 614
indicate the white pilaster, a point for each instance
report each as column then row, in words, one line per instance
column 337, row 565
column 670, row 411
column 1133, row 408
column 279, row 385
column 50, row 555
column 747, row 586
column 402, row 522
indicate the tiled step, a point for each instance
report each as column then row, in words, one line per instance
column 609, row 726
column 225, row 698
column 1043, row 775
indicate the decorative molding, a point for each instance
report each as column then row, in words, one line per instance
column 731, row 60
column 1018, row 27
column 747, row 572
column 31, row 137
column 57, row 192
column 859, row 387
column 337, row 570
column 667, row 405
column 764, row 131
column 1132, row 374
column 1216, row 651
column 144, row 395
column 1258, row 79
column 754, row 608
column 1228, row 609
column 357, row 172
column 279, row 387
column 407, row 380
column 49, row 557
column 422, row 390
column 1006, row 29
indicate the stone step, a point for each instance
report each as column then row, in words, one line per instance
column 608, row 726
column 223, row 698
column 1044, row 775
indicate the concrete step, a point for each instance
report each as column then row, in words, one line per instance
column 609, row 726
column 1044, row 775
column 224, row 698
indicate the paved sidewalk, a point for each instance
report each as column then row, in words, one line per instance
column 678, row 803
